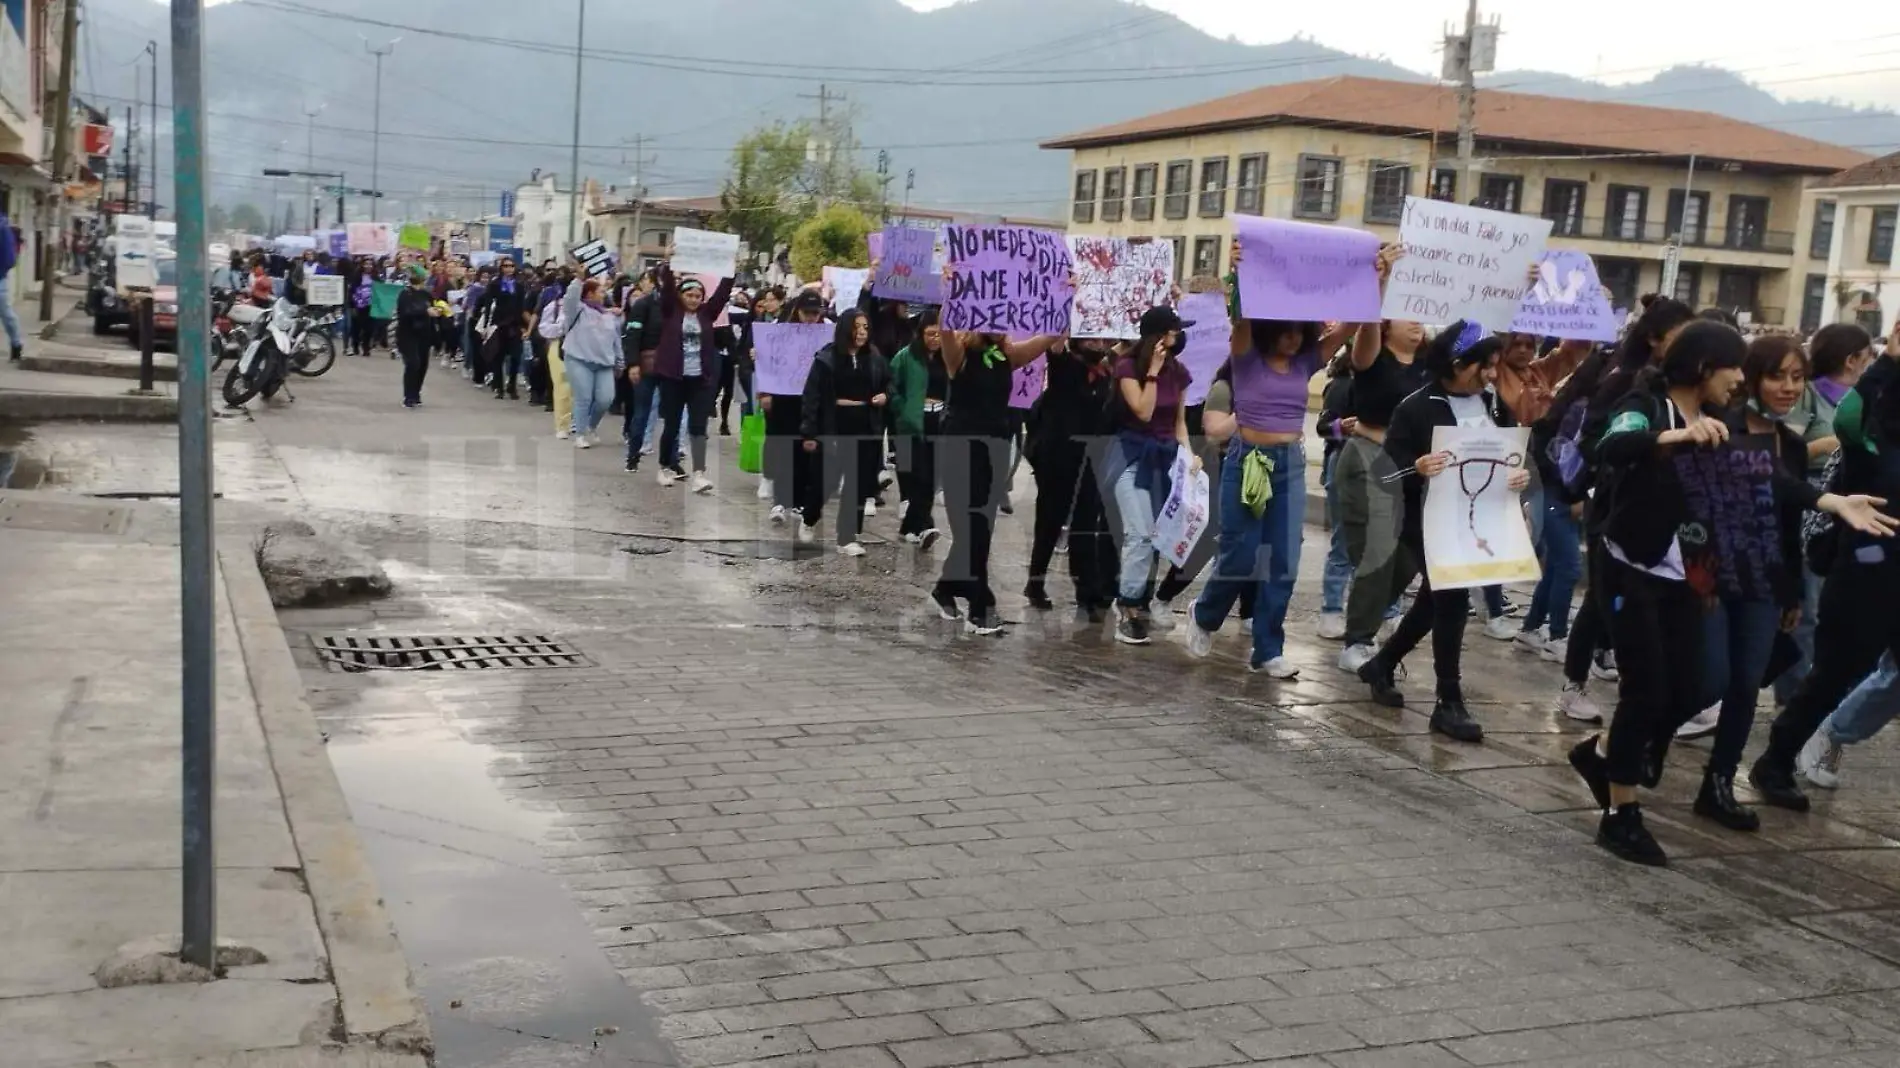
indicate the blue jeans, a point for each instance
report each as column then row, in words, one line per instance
column 1869, row 707
column 1803, row 637
column 7, row 316
column 1338, row 573
column 593, row 389
column 1737, row 638
column 1244, row 539
column 1138, row 508
column 637, row 421
column 1563, row 566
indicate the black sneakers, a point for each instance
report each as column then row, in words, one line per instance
column 1133, row 629
column 1452, row 719
column 1038, row 596
column 1717, row 802
column 1621, row 831
column 1375, row 674
column 1593, row 769
column 1777, row 785
column 984, row 623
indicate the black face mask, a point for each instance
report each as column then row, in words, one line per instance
column 1180, row 344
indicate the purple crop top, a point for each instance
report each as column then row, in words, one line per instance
column 1270, row 402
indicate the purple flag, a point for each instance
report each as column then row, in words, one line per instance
column 1567, row 302
column 1209, row 341
column 1010, row 280
column 782, row 355
column 1306, row 272
column 1026, row 382
column 905, row 270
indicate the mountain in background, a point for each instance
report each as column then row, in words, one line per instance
column 463, row 119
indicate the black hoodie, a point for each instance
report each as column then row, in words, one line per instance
column 819, row 411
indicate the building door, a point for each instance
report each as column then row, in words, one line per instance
column 1737, row 291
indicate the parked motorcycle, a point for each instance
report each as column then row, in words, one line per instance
column 266, row 363
column 316, row 353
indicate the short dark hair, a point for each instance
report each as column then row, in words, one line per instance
column 1766, row 354
column 1442, row 358
column 1833, row 345
column 1704, row 347
column 1719, row 315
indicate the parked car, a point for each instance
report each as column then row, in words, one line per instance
column 164, row 304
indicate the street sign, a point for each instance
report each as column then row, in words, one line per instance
column 1672, row 266
column 137, row 246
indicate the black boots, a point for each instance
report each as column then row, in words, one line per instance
column 1376, row 674
column 1594, row 770
column 1777, row 785
column 1037, row 596
column 1452, row 719
column 1717, row 802
column 1621, row 831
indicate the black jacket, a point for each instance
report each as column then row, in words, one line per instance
column 819, row 411
column 1410, row 437
column 507, row 308
column 412, row 312
column 892, row 328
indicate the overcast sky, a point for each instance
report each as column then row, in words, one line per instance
column 1794, row 50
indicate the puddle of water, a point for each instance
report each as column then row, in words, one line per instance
column 482, row 923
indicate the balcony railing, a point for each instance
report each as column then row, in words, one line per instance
column 1659, row 232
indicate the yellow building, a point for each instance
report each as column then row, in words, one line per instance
column 1615, row 179
column 1847, row 230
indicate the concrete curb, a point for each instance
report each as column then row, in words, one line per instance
column 33, row 405
column 79, row 365
column 375, row 990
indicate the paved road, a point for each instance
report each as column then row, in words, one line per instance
column 809, row 825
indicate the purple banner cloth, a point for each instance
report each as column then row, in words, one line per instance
column 1209, row 340
column 1567, row 302
column 1026, row 383
column 782, row 355
column 1306, row 272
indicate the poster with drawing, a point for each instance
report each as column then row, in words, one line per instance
column 1475, row 533
column 1183, row 518
column 1116, row 280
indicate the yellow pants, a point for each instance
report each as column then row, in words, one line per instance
column 563, row 397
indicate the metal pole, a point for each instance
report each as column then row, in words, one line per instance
column 152, row 211
column 1468, row 106
column 1688, row 196
column 376, row 140
column 574, row 165
column 146, row 342
column 197, row 561
column 62, row 141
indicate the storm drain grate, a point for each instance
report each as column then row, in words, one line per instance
column 384, row 652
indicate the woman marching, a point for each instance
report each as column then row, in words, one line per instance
column 1151, row 385
column 590, row 354
column 506, row 305
column 973, row 457
column 1069, row 419
column 920, row 385
column 1462, row 361
column 786, row 470
column 686, row 364
column 842, row 427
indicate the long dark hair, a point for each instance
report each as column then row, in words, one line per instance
column 1264, row 332
column 846, row 332
column 1835, row 344
column 1703, row 347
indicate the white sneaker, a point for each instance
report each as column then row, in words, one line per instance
column 563, row 434
column 582, row 441
column 1604, row 666
column 1529, row 641
column 701, row 484
column 1161, row 615
column 1332, row 625
column 1700, row 725
column 1199, row 642
column 1354, row 657
column 1819, row 761
column 666, row 477
column 1576, row 704
column 765, row 490
column 1554, row 650
column 928, row 538
column 778, row 515
column 806, row 533
column 1278, row 668
column 1500, row 628
column 870, row 508
column 886, row 478
column 851, row 549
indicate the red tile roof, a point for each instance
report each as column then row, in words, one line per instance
column 1874, row 173
column 1416, row 107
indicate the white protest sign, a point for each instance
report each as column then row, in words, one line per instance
column 1183, row 517
column 1116, row 280
column 133, row 265
column 595, row 257
column 847, row 284
column 704, row 252
column 371, row 239
column 323, row 290
column 1475, row 533
column 1462, row 262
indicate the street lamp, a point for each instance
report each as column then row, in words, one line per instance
column 310, row 160
column 376, row 139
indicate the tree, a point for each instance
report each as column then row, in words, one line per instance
column 834, row 237
column 245, row 218
column 766, row 196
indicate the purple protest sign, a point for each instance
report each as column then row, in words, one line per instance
column 782, row 355
column 1010, row 280
column 906, row 268
column 875, row 242
column 1307, row 272
column 1567, row 302
column 1209, row 341
column 1026, row 383
column 340, row 244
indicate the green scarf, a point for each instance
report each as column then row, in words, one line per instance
column 1256, row 481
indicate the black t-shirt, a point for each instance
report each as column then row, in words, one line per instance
column 1076, row 399
column 1377, row 390
column 979, row 395
column 851, row 376
column 938, row 386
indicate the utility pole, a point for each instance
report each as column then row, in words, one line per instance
column 310, row 163
column 62, row 144
column 376, row 140
column 1468, row 55
column 910, row 183
column 638, row 194
column 197, row 562
column 884, row 179
column 574, row 163
column 1672, row 251
column 151, row 48
column 822, row 152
